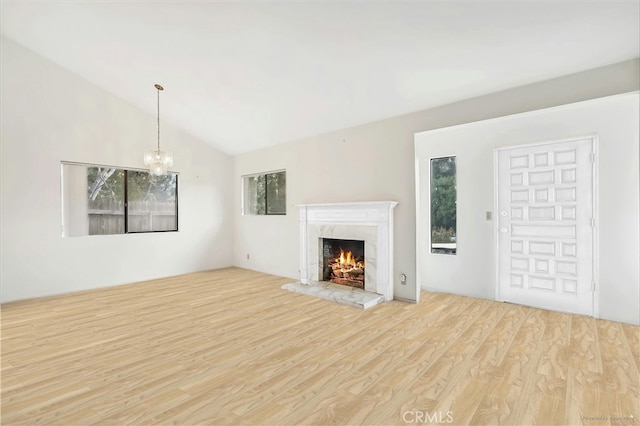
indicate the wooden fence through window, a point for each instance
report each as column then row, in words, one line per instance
column 106, row 216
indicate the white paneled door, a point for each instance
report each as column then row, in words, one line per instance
column 546, row 225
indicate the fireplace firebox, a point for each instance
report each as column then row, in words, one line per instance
column 343, row 262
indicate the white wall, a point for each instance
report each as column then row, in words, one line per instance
column 49, row 115
column 471, row 271
column 376, row 162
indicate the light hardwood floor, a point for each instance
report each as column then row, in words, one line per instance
column 231, row 347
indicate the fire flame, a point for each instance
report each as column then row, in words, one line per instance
column 347, row 261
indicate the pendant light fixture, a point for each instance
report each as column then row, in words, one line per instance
column 158, row 161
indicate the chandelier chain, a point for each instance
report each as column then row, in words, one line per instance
column 158, row 90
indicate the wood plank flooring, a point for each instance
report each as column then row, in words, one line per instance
column 231, row 347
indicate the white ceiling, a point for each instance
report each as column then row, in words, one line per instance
column 245, row 75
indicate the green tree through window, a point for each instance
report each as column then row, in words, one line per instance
column 443, row 205
column 266, row 194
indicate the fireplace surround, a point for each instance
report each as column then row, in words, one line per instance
column 370, row 222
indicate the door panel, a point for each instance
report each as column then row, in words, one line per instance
column 545, row 226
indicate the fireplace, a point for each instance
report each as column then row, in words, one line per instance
column 370, row 223
column 343, row 262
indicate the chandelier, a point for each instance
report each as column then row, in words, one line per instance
column 157, row 160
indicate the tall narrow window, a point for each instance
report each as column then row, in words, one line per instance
column 103, row 200
column 265, row 194
column 443, row 205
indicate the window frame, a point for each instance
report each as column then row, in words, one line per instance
column 246, row 202
column 442, row 251
column 126, row 171
column 126, row 203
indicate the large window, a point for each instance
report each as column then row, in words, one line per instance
column 102, row 200
column 265, row 194
column 443, row 205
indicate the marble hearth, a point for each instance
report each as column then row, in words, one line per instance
column 371, row 222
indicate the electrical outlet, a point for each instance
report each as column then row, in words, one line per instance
column 403, row 279
column 248, row 257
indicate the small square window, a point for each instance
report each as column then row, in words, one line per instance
column 265, row 193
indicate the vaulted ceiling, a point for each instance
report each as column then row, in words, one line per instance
column 245, row 75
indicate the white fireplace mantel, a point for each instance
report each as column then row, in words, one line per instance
column 371, row 222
